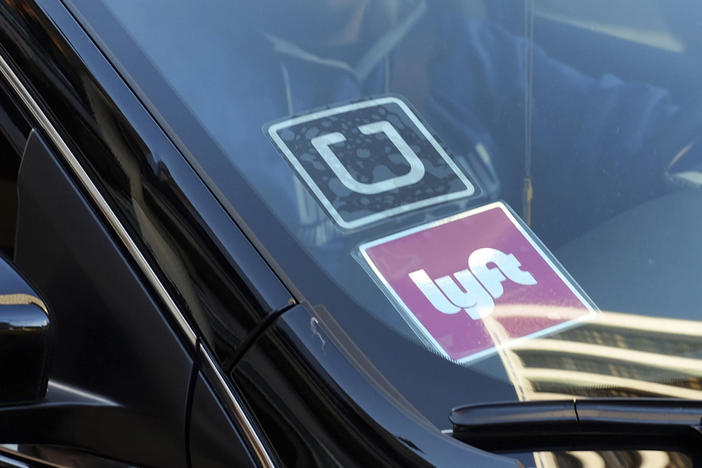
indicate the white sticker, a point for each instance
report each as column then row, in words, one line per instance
column 370, row 160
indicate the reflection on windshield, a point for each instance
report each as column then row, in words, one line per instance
column 581, row 117
column 613, row 459
column 611, row 355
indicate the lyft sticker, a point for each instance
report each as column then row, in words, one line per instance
column 476, row 282
column 369, row 160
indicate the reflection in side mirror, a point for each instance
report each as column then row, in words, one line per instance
column 24, row 339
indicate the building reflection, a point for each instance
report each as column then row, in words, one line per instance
column 609, row 355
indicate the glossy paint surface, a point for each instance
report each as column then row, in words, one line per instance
column 320, row 402
column 156, row 196
column 24, row 339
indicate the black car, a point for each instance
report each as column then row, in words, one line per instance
column 348, row 232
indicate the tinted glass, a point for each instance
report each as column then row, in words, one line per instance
column 500, row 195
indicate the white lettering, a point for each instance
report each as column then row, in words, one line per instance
column 472, row 298
column 492, row 278
column 432, row 292
column 473, row 290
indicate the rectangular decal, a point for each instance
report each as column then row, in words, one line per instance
column 475, row 282
column 369, row 160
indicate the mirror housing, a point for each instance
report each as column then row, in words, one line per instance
column 24, row 339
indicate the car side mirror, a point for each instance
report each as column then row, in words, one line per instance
column 24, row 339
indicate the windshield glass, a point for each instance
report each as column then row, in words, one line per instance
column 502, row 195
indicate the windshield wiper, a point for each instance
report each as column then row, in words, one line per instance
column 598, row 423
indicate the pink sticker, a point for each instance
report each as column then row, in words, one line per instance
column 475, row 282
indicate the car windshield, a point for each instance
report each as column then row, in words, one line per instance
column 496, row 199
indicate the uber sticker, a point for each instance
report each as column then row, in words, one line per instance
column 369, row 160
column 475, row 282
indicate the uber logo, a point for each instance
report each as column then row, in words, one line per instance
column 369, row 160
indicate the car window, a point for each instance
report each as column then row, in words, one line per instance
column 503, row 196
